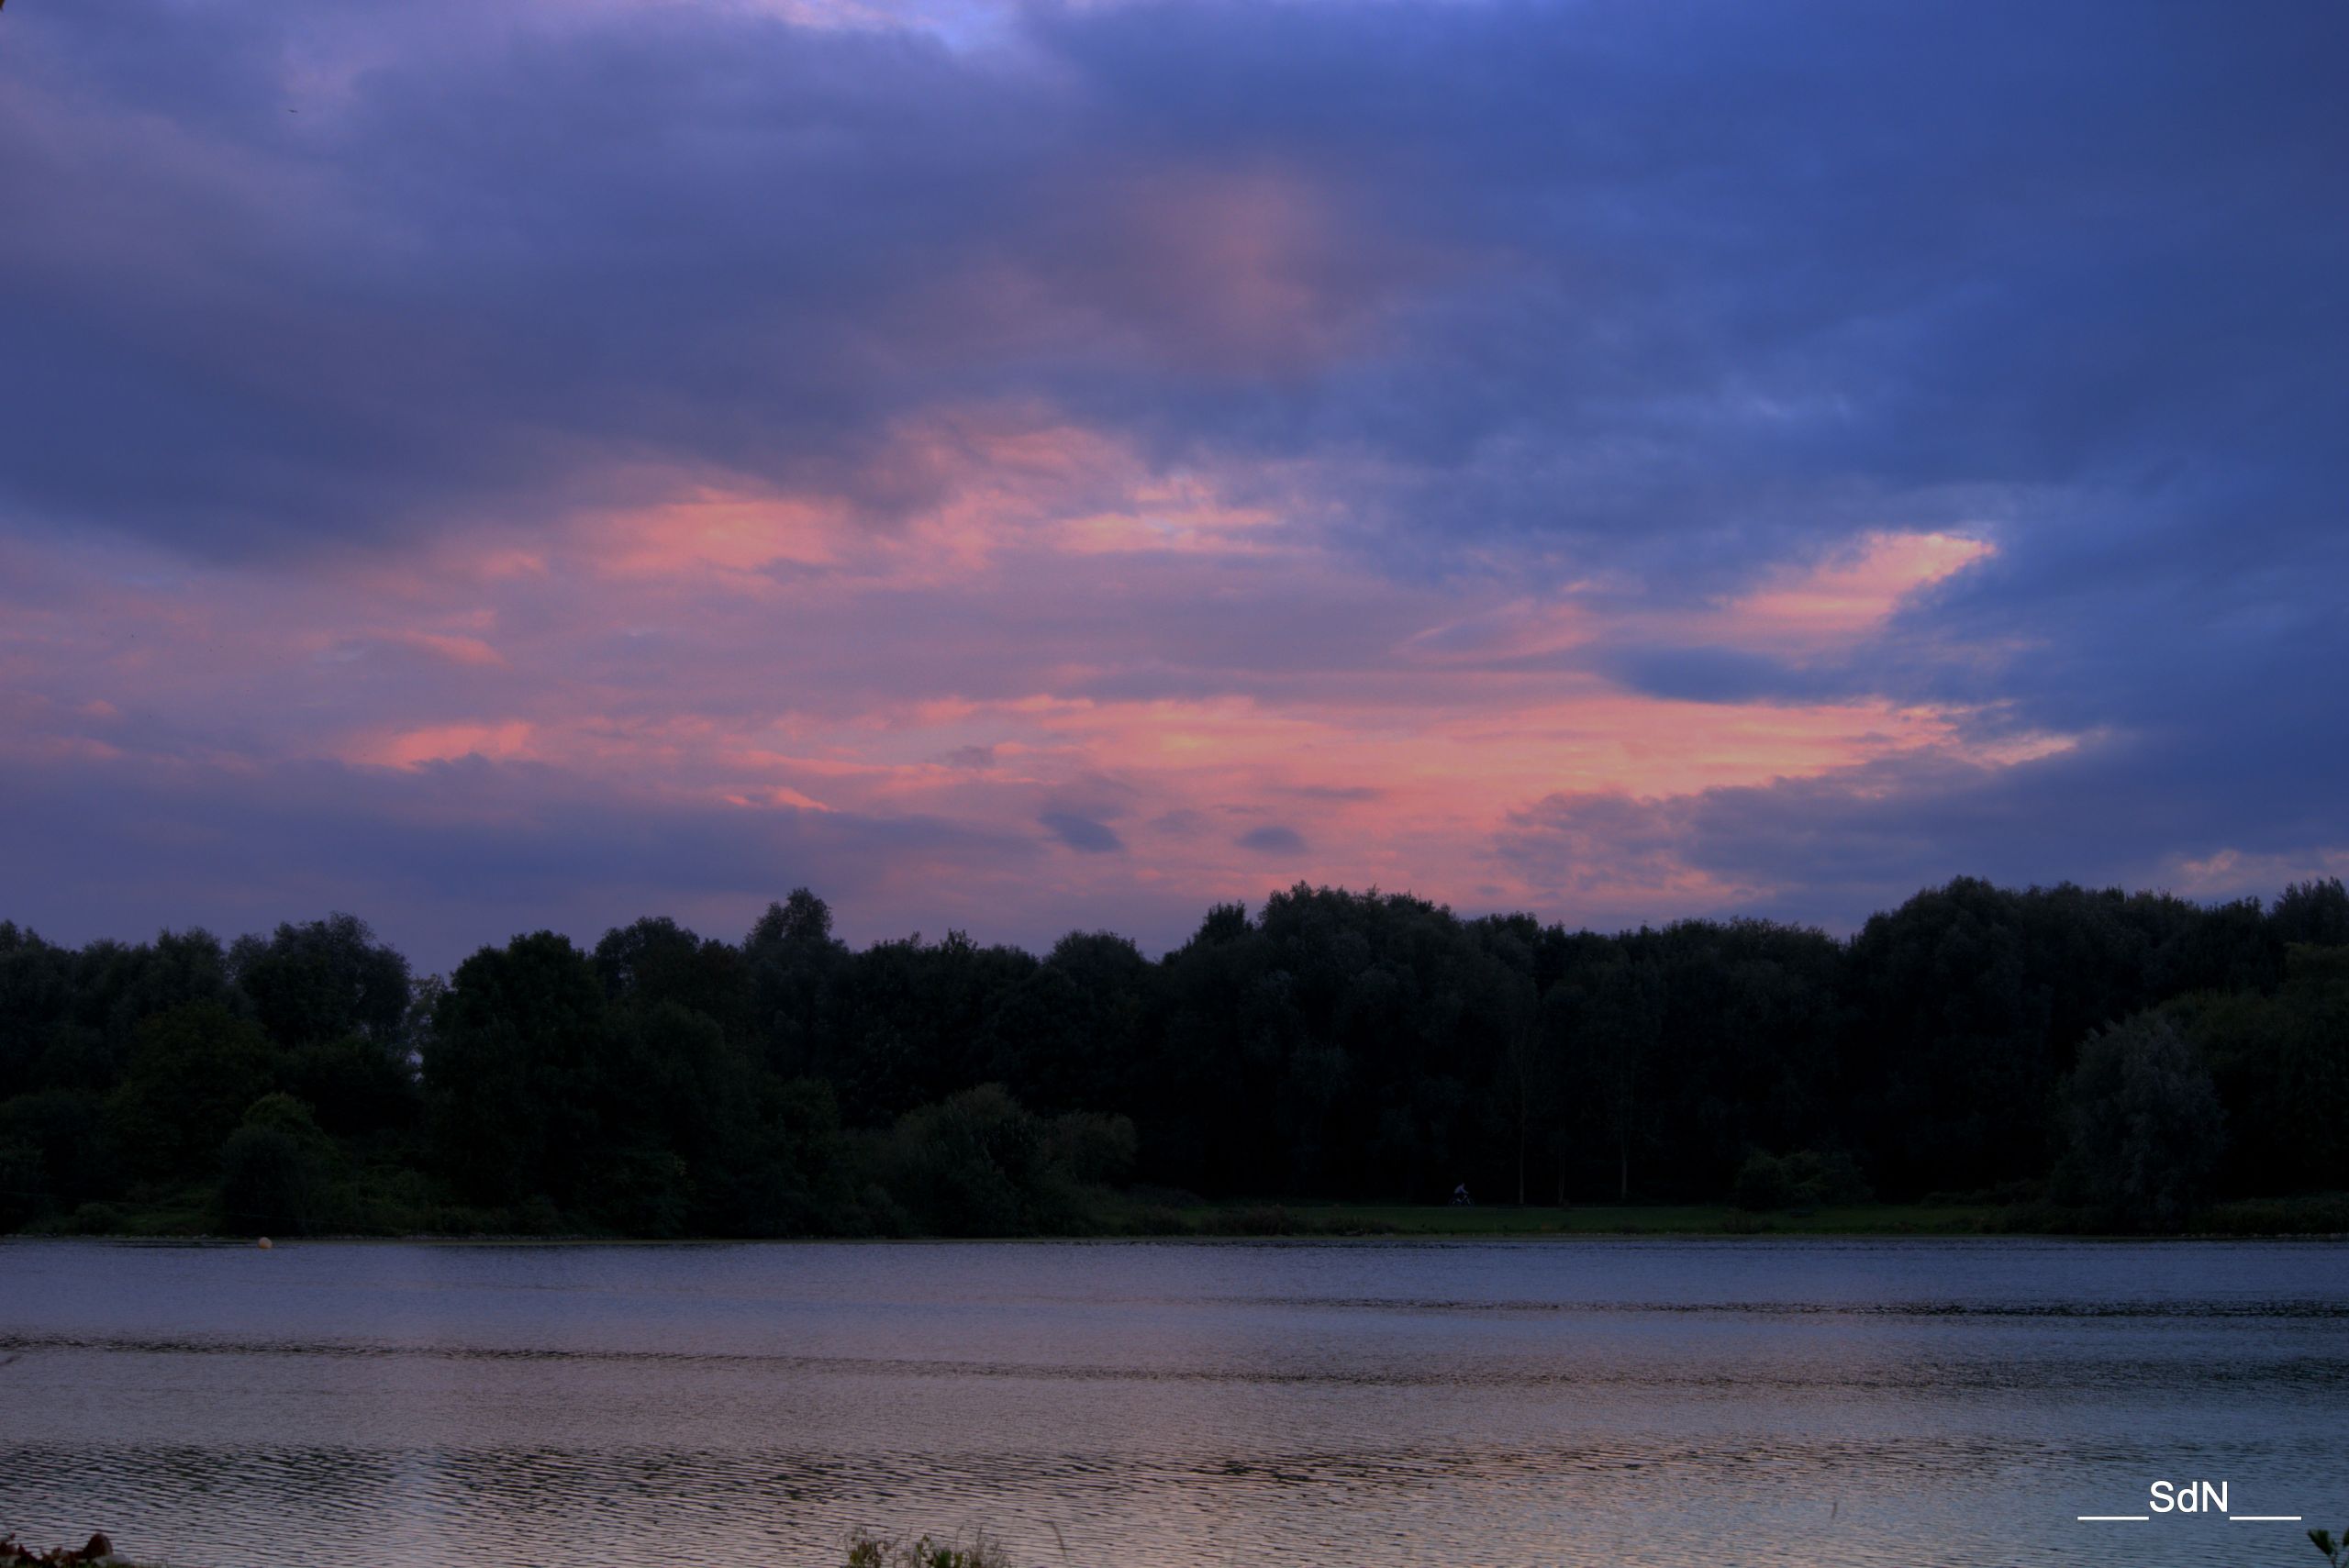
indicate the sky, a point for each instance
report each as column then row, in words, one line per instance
column 1019, row 468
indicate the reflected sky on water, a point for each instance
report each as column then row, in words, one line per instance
column 1583, row 1402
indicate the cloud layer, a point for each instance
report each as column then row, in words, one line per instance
column 1030, row 466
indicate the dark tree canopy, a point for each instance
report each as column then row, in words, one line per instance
column 322, row 980
column 1329, row 1045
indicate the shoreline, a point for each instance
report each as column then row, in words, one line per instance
column 1243, row 1222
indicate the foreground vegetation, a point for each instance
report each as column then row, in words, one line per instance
column 877, row 1551
column 864, row 1552
column 15, row 1553
column 1977, row 1060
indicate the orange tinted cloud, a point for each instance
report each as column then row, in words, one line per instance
column 506, row 741
column 1845, row 596
column 1043, row 637
column 711, row 530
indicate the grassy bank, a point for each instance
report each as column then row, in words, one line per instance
column 2320, row 1215
column 1116, row 1215
column 1691, row 1219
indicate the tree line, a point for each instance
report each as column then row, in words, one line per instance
column 2124, row 1055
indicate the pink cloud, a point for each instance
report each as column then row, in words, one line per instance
column 444, row 742
column 1061, row 633
column 1851, row 593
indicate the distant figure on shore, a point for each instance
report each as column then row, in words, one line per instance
column 1459, row 1198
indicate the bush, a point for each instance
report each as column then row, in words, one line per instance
column 1806, row 1179
column 276, row 1170
column 96, row 1220
column 978, row 1163
column 967, row 1165
column 24, row 1184
column 873, row 1552
column 1763, row 1183
column 1157, row 1219
column 2145, row 1127
column 15, row 1553
column 643, row 1192
column 1093, row 1149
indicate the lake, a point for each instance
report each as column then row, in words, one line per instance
column 1749, row 1401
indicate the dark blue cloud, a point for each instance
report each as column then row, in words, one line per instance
column 1713, row 674
column 1273, row 840
column 1081, row 833
column 1694, row 287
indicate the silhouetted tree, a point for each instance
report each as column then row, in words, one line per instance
column 2313, row 911
column 1332, row 1044
column 656, row 961
column 2279, row 1059
column 796, row 967
column 1612, row 1016
column 509, row 1071
column 322, row 980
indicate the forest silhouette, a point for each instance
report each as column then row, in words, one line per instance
column 2082, row 1059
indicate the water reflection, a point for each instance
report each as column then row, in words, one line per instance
column 1390, row 1403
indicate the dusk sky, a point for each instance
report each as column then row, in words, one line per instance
column 494, row 466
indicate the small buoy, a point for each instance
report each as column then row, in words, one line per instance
column 264, row 1243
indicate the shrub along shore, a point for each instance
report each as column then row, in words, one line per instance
column 1980, row 1060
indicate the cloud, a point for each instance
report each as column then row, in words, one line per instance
column 451, row 855
column 1684, row 315
column 1596, row 457
column 1831, row 847
column 1712, row 674
column 1081, row 833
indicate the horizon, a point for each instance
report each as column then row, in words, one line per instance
column 586, row 942
column 1023, row 468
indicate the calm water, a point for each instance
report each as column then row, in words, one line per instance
column 1749, row 1402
